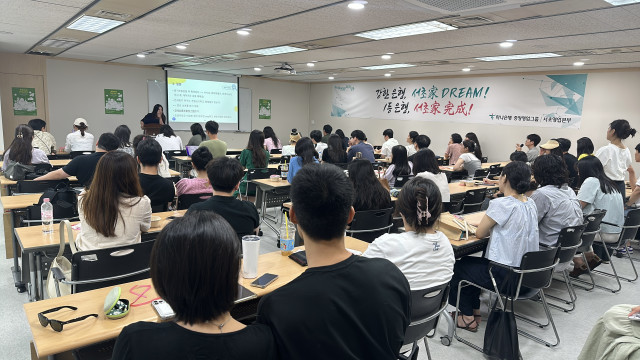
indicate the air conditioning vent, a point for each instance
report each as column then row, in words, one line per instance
column 467, row 6
column 470, row 21
column 112, row 15
column 42, row 52
column 182, row 55
column 58, row 43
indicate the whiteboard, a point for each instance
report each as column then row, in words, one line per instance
column 157, row 91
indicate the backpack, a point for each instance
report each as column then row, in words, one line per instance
column 16, row 171
column 64, row 200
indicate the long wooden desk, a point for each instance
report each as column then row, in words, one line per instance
column 458, row 188
column 57, row 163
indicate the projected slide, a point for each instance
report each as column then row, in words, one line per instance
column 191, row 100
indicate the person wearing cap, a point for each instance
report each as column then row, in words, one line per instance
column 532, row 145
column 551, row 147
column 79, row 139
column 293, row 139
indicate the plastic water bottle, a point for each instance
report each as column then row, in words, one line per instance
column 46, row 215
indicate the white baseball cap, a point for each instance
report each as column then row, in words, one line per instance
column 80, row 120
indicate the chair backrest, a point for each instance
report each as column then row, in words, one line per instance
column 34, row 187
column 111, row 266
column 495, row 170
column 481, row 173
column 285, row 159
column 540, row 264
column 59, row 213
column 569, row 239
column 473, row 200
column 593, row 221
column 186, row 200
column 401, row 180
column 426, row 306
column 484, row 159
column 631, row 224
column 75, row 154
column 442, row 161
column 160, row 207
column 258, row 173
column 369, row 224
column 275, row 151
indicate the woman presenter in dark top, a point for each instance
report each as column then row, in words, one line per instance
column 156, row 116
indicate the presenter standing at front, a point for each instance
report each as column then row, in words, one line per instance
column 156, row 116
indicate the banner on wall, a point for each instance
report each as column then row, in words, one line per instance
column 113, row 101
column 24, row 101
column 531, row 100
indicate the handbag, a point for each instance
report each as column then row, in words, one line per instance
column 17, row 171
column 501, row 334
column 62, row 263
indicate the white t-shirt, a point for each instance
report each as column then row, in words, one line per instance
column 387, row 146
column 441, row 181
column 169, row 143
column 411, row 149
column 614, row 160
column 77, row 142
column 471, row 163
column 426, row 260
column 320, row 147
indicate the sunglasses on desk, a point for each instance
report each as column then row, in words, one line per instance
column 58, row 325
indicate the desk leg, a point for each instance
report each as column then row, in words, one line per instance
column 39, row 276
column 15, row 270
column 32, row 276
column 260, row 194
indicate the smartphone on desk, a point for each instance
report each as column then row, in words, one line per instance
column 164, row 310
column 264, row 280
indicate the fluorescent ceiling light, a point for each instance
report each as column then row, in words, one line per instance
column 406, row 30
column 382, row 67
column 387, row 74
column 578, row 63
column 385, row 57
column 621, row 2
column 94, row 24
column 181, row 47
column 466, row 69
column 276, row 50
column 506, row 44
column 257, row 69
column 243, row 32
column 357, row 5
column 518, row 57
column 310, row 64
column 141, row 56
column 331, row 78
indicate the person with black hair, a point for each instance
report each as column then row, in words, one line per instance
column 558, row 206
column 21, row 149
column 424, row 255
column 83, row 166
column 326, row 132
column 225, row 175
column 168, row 140
column 584, row 147
column 335, row 153
column 634, row 198
column 454, row 149
column 329, row 294
column 570, row 160
column 253, row 157
column 217, row 147
column 345, row 140
column 358, row 145
column 79, row 139
column 531, row 143
column 616, row 157
column 411, row 139
column 123, row 133
column 195, row 264
column 271, row 141
column 519, row 156
column 305, row 154
column 370, row 194
column 156, row 116
column 316, row 137
column 473, row 137
column 160, row 190
column 200, row 184
column 511, row 222
column 421, row 142
column 197, row 135
column 426, row 165
column 467, row 160
column 41, row 138
column 399, row 165
column 389, row 143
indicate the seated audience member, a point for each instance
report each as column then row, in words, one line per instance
column 399, row 165
column 168, row 139
column 160, row 190
column 597, row 191
column 570, row 160
column 411, row 139
column 467, row 160
column 163, row 167
column 197, row 135
column 83, row 166
column 225, row 175
column 424, row 255
column 79, row 139
column 195, row 264
column 345, row 140
column 113, row 211
column 454, row 149
column 253, row 157
column 333, row 286
column 389, row 143
column 511, row 222
column 531, row 144
column 473, row 137
column 426, row 165
column 21, row 150
column 519, row 156
column 634, row 198
column 156, row 116
column 41, row 138
column 271, row 141
column 584, row 147
column 615, row 156
column 335, row 153
column 200, row 184
column 421, row 142
column 123, row 134
column 293, row 139
column 558, row 206
column 370, row 194
column 326, row 132
column 217, row 147
column 316, row 138
column 305, row 154
column 358, row 145
column 551, row 147
column 614, row 336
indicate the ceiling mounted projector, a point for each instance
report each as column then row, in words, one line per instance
column 285, row 69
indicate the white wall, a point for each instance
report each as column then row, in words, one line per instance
column 608, row 96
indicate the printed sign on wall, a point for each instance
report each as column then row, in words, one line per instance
column 264, row 109
column 531, row 100
column 24, row 101
column 113, row 102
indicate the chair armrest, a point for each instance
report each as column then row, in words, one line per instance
column 608, row 223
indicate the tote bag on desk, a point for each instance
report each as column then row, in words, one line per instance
column 16, row 171
column 61, row 263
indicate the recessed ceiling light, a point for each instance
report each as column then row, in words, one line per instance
column 141, row 56
column 357, row 5
column 276, row 50
column 331, row 78
column 406, row 30
column 257, row 69
column 181, row 46
column 310, row 64
column 506, row 44
column 578, row 63
column 387, row 75
column 94, row 24
column 382, row 67
column 243, row 32
column 466, row 69
column 517, row 57
column 385, row 57
column 621, row 2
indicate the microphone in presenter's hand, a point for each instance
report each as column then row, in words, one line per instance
column 521, row 145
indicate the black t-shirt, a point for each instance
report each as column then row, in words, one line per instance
column 151, row 118
column 356, row 309
column 83, row 167
column 158, row 189
column 326, row 157
column 168, row 340
column 241, row 215
column 571, row 162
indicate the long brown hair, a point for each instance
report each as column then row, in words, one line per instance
column 256, row 142
column 116, row 177
column 21, row 147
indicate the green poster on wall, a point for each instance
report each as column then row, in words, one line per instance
column 24, row 101
column 264, row 109
column 113, row 101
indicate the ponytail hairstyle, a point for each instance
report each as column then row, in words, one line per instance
column 622, row 129
column 256, row 146
column 478, row 150
column 21, row 147
column 518, row 175
column 399, row 159
column 196, row 129
column 420, row 203
column 469, row 145
column 82, row 127
column 305, row 149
